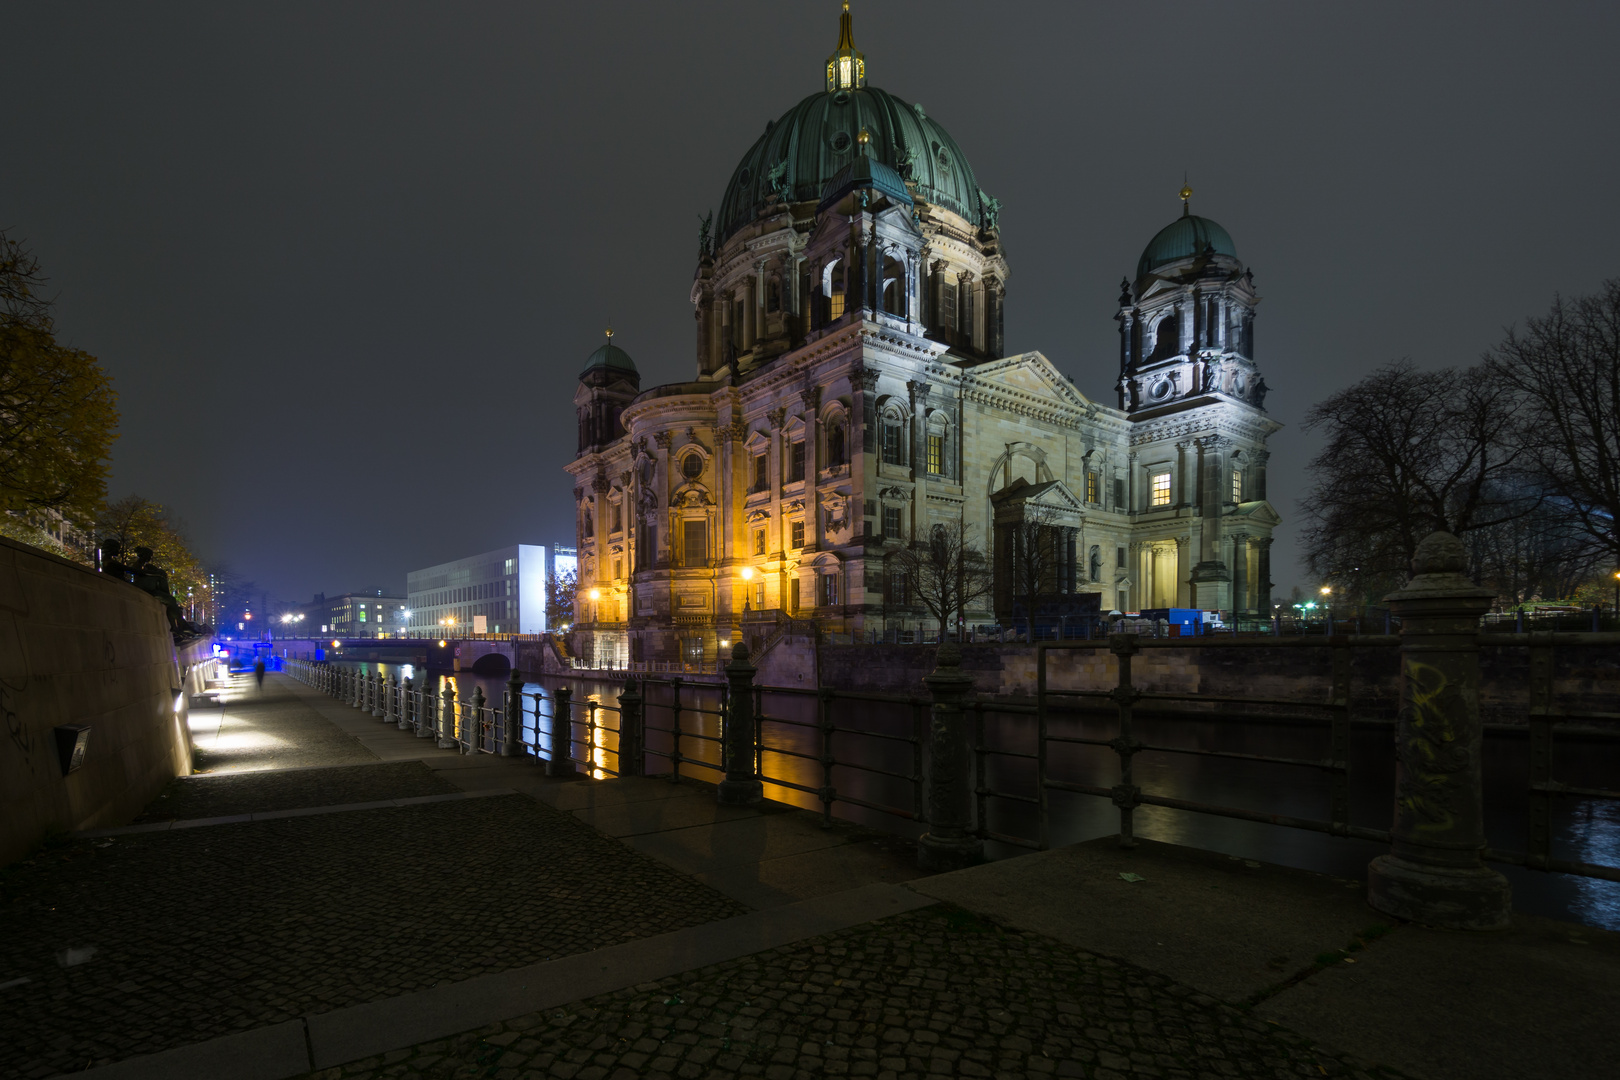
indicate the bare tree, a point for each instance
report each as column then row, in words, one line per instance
column 1408, row 452
column 946, row 573
column 1565, row 368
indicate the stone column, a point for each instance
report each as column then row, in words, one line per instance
column 773, row 469
column 742, row 786
column 1257, row 475
column 1262, row 576
column 1240, row 573
column 1211, row 575
column 810, row 412
column 1433, row 873
column 1184, row 489
column 664, row 541
column 918, row 437
column 949, row 843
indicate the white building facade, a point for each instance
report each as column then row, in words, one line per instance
column 851, row 393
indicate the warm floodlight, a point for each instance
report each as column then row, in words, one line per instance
column 596, row 594
column 748, row 573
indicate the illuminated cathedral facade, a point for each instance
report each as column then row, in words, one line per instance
column 851, row 393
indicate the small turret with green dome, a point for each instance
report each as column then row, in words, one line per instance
column 609, row 357
column 1187, row 321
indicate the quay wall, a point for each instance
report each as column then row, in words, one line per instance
column 1585, row 679
column 81, row 648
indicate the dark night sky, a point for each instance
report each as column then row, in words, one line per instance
column 344, row 261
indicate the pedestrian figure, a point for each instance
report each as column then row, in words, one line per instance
column 258, row 672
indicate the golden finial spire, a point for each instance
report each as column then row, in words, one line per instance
column 846, row 68
column 610, row 335
column 1186, row 193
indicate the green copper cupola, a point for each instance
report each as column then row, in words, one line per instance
column 846, row 68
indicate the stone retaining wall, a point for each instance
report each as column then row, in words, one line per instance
column 77, row 647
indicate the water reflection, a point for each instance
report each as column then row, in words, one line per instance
column 800, row 761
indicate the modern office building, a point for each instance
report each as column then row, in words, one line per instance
column 499, row 592
column 370, row 614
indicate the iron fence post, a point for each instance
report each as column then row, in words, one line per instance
column 1538, row 843
column 949, row 843
column 512, row 724
column 1433, row 873
column 562, row 733
column 407, row 704
column 447, row 716
column 632, row 730
column 741, row 787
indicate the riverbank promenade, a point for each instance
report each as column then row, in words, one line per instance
column 331, row 896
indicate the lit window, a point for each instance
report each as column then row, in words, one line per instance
column 759, row 541
column 844, row 72
column 798, row 534
column 759, row 595
column 1091, row 487
column 936, row 454
column 1160, row 495
column 835, row 305
column 1237, row 485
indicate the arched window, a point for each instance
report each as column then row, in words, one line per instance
column 894, row 446
column 832, row 284
column 894, row 286
column 1166, row 338
column 835, row 444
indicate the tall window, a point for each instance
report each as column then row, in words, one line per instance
column 829, row 590
column 893, row 453
column 1091, row 487
column 759, row 541
column 891, row 522
column 1237, row 485
column 798, row 534
column 618, row 568
column 796, row 462
column 761, row 472
column 618, row 518
column 835, row 304
column 1119, row 562
column 897, row 588
column 1159, row 492
column 759, row 596
column 697, row 543
column 1119, row 493
column 936, row 454
column 835, row 445
column 793, row 594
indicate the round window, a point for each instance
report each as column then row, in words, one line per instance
column 744, row 176
column 840, row 141
column 944, row 160
column 1160, row 390
column 692, row 466
column 841, row 98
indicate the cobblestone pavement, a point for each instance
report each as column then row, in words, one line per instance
column 220, row 795
column 273, row 728
column 146, row 942
column 936, row 992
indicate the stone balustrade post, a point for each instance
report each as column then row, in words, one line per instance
column 379, row 696
column 949, row 843
column 407, row 704
column 475, row 723
column 1433, row 873
column 632, row 730
column 401, row 712
column 424, row 709
column 447, row 716
column 562, row 733
column 742, row 786
column 512, row 726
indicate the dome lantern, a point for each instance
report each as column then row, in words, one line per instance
column 846, row 68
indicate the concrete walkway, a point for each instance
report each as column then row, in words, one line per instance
column 468, row 916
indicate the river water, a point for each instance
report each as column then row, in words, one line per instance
column 885, row 737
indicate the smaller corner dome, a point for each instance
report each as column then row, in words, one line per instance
column 865, row 172
column 610, row 357
column 1184, row 238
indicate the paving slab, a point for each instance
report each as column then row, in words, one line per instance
column 661, row 815
column 1531, row 1002
column 1233, row 928
column 212, row 795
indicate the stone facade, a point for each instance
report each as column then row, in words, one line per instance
column 851, row 393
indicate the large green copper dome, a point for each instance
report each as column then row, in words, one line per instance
column 1182, row 239
column 800, row 153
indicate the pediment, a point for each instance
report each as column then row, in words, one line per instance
column 1030, row 373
